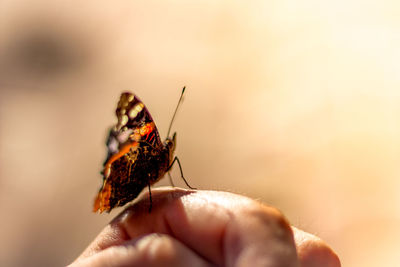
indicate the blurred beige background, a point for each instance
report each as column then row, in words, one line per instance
column 296, row 103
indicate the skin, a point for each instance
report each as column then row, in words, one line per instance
column 203, row 228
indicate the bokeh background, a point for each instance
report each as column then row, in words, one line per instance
column 295, row 103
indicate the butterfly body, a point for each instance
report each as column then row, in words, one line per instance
column 136, row 156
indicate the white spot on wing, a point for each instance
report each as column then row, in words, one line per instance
column 135, row 110
column 124, row 120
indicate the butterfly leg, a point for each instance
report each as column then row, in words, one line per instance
column 170, row 179
column 180, row 168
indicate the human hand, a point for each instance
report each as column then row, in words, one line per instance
column 203, row 228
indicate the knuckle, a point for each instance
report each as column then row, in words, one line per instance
column 274, row 220
column 157, row 248
column 261, row 232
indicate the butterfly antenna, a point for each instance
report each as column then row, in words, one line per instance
column 176, row 109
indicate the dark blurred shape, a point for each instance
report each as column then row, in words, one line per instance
column 42, row 51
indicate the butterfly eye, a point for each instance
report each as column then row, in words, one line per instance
column 170, row 143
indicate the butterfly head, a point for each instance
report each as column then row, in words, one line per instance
column 170, row 144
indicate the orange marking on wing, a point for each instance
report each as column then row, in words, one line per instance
column 151, row 138
column 146, row 129
column 102, row 201
column 125, row 149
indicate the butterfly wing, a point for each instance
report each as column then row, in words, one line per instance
column 132, row 115
column 134, row 130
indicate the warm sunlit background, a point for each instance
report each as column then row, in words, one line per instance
column 296, row 103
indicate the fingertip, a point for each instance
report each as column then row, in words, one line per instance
column 317, row 253
column 314, row 252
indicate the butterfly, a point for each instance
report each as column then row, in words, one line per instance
column 136, row 158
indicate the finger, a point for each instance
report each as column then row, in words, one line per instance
column 221, row 227
column 259, row 237
column 314, row 252
column 149, row 250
